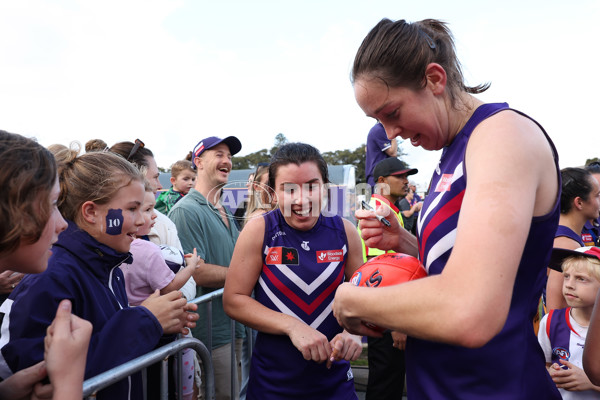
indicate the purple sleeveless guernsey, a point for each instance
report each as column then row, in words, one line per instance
column 560, row 331
column 570, row 233
column 511, row 365
column 301, row 271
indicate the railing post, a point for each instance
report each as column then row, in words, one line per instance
column 164, row 379
column 209, row 325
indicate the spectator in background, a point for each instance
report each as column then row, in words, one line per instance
column 591, row 229
column 100, row 197
column 379, row 147
column 413, row 187
column 410, row 211
column 579, row 202
column 242, row 210
column 95, row 145
column 159, row 268
column 183, row 178
column 57, row 148
column 563, row 332
column 261, row 196
column 164, row 231
column 205, row 224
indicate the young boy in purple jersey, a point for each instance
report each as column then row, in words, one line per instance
column 294, row 258
column 563, row 332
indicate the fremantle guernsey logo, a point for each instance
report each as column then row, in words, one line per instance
column 561, row 353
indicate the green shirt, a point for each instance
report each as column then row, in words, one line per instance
column 199, row 225
column 166, row 200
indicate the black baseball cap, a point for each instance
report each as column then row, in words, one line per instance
column 392, row 166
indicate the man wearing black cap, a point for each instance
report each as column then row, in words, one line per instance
column 205, row 224
column 386, row 354
column 393, row 174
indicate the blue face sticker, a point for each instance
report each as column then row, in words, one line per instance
column 114, row 221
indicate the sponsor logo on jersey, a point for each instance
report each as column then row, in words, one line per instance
column 327, row 256
column 561, row 353
column 587, row 238
column 444, row 183
column 305, row 246
column 282, row 255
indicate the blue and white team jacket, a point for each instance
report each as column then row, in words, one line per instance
column 86, row 272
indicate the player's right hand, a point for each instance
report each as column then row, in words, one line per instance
column 375, row 234
column 311, row 343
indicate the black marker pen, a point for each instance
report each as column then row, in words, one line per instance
column 384, row 221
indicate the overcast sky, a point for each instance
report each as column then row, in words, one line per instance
column 174, row 72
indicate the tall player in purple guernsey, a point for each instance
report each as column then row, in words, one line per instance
column 485, row 231
column 294, row 259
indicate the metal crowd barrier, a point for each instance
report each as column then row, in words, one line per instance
column 101, row 381
column 93, row 385
column 208, row 298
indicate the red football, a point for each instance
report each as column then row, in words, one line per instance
column 387, row 270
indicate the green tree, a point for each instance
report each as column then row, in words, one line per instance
column 251, row 160
column 356, row 157
column 280, row 140
column 591, row 160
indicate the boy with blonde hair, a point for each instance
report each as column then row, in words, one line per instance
column 562, row 332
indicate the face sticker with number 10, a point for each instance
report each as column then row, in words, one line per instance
column 114, row 221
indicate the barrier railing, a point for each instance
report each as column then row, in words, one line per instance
column 204, row 351
column 93, row 385
column 208, row 298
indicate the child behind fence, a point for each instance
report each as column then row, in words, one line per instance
column 101, row 197
column 161, row 268
column 562, row 332
column 183, row 178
